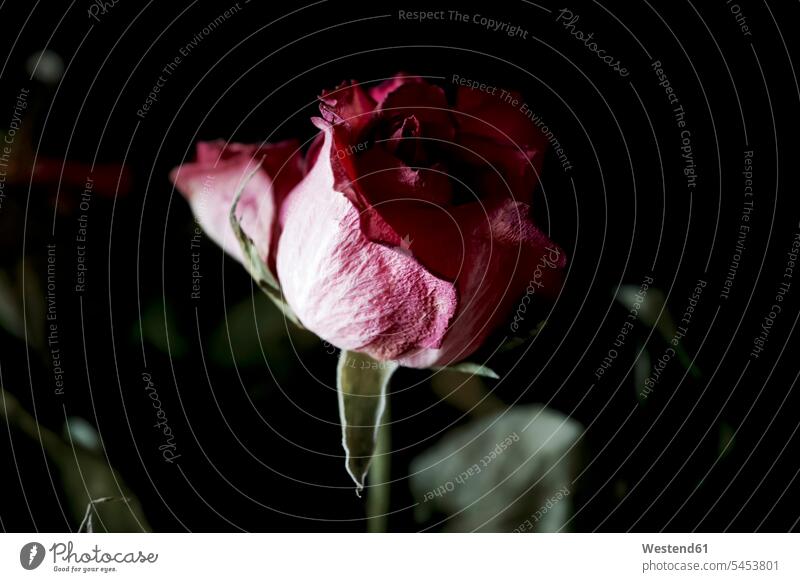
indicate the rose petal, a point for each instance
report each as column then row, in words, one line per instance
column 400, row 206
column 381, row 91
column 497, row 132
column 498, row 170
column 427, row 103
column 211, row 182
column 313, row 149
column 504, row 253
column 490, row 117
column 354, row 293
column 381, row 176
column 348, row 105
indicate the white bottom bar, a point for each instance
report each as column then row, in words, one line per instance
column 401, row 557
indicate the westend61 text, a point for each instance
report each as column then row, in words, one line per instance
column 672, row 549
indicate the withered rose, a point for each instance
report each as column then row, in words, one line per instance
column 405, row 233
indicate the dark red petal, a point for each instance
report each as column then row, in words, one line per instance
column 497, row 133
column 489, row 116
column 499, row 170
column 348, row 105
column 380, row 92
column 424, row 101
column 398, row 204
column 506, row 257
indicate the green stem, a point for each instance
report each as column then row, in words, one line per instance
column 379, row 476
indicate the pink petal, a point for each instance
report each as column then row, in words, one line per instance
column 357, row 294
column 210, row 184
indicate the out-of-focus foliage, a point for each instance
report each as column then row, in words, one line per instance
column 84, row 475
column 507, row 472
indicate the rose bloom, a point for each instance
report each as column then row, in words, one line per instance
column 405, row 231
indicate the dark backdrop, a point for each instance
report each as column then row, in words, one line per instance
column 257, row 433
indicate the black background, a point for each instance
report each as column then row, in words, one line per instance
column 260, row 442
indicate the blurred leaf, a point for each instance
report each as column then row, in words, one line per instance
column 641, row 371
column 45, row 66
column 10, row 310
column 160, row 329
column 249, row 327
column 83, row 433
column 515, row 342
column 652, row 309
column 85, row 475
column 726, row 439
column 653, row 312
column 506, row 472
column 302, row 338
column 620, row 488
column 686, row 362
column 361, row 385
column 467, row 392
column 34, row 303
column 12, row 299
